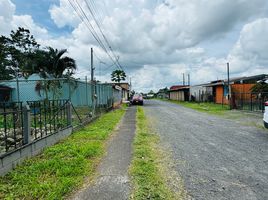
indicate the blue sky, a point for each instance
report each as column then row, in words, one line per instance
column 38, row 9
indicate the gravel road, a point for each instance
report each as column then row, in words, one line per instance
column 217, row 158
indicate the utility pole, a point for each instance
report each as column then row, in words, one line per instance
column 189, row 87
column 92, row 84
column 229, row 89
column 183, row 79
column 130, row 87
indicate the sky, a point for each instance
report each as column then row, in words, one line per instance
column 155, row 41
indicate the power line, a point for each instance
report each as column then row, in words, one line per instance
column 101, row 31
column 84, row 18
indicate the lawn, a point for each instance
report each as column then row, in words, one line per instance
column 148, row 180
column 212, row 108
column 63, row 167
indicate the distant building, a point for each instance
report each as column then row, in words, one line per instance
column 163, row 93
column 125, row 91
column 179, row 92
column 238, row 86
column 201, row 93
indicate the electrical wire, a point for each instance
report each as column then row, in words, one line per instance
column 84, row 18
column 101, row 31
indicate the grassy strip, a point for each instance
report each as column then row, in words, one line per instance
column 145, row 168
column 211, row 108
column 62, row 167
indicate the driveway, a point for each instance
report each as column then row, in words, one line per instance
column 217, row 158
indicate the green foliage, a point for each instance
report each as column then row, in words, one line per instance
column 17, row 52
column 62, row 167
column 147, row 178
column 21, row 54
column 260, row 87
column 118, row 76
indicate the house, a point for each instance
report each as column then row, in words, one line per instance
column 125, row 91
column 238, row 86
column 201, row 93
column 179, row 92
column 117, row 95
column 163, row 93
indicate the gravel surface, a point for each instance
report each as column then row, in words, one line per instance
column 218, row 158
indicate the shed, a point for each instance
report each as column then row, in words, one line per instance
column 179, row 92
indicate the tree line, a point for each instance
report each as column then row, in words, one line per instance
column 21, row 56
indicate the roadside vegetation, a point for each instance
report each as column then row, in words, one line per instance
column 148, row 177
column 63, row 167
column 211, row 108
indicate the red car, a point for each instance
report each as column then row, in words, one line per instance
column 265, row 115
column 137, row 99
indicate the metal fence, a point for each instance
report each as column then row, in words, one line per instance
column 11, row 126
column 79, row 92
column 47, row 117
column 249, row 101
column 20, row 125
column 47, row 101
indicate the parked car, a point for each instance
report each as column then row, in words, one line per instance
column 265, row 115
column 137, row 99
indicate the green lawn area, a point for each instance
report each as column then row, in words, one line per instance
column 63, row 167
column 148, row 180
column 211, row 108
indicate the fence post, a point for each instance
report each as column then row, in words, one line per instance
column 69, row 113
column 26, row 124
column 251, row 103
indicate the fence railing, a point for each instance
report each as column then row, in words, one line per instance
column 249, row 101
column 20, row 125
column 47, row 117
column 80, row 92
column 11, row 126
column 34, row 108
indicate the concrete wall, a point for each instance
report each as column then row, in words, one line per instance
column 10, row 160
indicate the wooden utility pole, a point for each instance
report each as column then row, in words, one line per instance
column 183, row 79
column 229, row 88
column 92, row 67
column 92, row 84
column 189, row 87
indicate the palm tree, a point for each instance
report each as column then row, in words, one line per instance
column 58, row 66
column 118, row 75
column 52, row 64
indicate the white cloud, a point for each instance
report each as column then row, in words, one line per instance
column 158, row 42
column 9, row 21
column 64, row 14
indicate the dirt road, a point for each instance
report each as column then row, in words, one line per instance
column 217, row 158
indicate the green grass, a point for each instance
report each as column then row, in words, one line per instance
column 211, row 108
column 145, row 170
column 63, row 167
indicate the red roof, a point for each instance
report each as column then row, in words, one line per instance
column 176, row 87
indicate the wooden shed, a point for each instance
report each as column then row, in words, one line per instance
column 179, row 93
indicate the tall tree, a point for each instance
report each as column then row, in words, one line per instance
column 17, row 51
column 118, row 76
column 5, row 70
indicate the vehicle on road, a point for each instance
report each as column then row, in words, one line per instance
column 265, row 115
column 137, row 99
